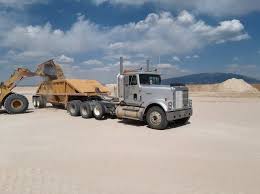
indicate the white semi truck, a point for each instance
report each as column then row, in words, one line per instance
column 140, row 96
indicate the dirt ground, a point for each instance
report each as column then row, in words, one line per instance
column 48, row 152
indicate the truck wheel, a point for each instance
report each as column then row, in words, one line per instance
column 34, row 101
column 99, row 111
column 182, row 121
column 73, row 108
column 85, row 110
column 41, row 102
column 156, row 118
column 16, row 103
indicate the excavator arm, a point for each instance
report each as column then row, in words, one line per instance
column 17, row 76
column 7, row 86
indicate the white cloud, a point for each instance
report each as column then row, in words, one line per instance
column 64, row 59
column 93, row 63
column 176, row 58
column 186, row 18
column 19, row 3
column 192, row 57
column 169, row 70
column 82, row 37
column 211, row 7
column 157, row 34
column 164, row 66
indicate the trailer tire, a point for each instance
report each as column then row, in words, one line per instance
column 42, row 102
column 182, row 121
column 156, row 118
column 85, row 110
column 34, row 101
column 16, row 103
column 73, row 108
column 99, row 111
column 39, row 102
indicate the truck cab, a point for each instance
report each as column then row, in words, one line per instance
column 143, row 97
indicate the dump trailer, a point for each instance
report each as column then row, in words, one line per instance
column 140, row 96
column 12, row 102
column 61, row 92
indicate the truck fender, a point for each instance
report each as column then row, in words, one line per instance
column 160, row 103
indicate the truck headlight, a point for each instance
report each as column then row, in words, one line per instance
column 170, row 105
column 190, row 103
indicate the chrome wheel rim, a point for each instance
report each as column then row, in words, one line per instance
column 97, row 111
column 38, row 103
column 155, row 118
column 84, row 111
column 34, row 103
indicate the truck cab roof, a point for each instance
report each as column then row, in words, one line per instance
column 129, row 72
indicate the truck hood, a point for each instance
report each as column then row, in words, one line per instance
column 162, row 87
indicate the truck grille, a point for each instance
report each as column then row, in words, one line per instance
column 181, row 99
column 185, row 98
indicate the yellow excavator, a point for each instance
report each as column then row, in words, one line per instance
column 17, row 103
column 12, row 102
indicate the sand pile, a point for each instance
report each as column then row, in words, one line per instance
column 229, row 86
column 236, row 85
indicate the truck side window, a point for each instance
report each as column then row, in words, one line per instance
column 132, row 80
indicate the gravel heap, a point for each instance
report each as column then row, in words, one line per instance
column 236, row 85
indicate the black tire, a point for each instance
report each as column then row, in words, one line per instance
column 182, row 121
column 39, row 102
column 85, row 110
column 99, row 111
column 156, row 118
column 16, row 103
column 35, row 101
column 73, row 108
column 42, row 102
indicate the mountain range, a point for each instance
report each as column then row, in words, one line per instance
column 208, row 78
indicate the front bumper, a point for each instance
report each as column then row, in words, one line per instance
column 180, row 114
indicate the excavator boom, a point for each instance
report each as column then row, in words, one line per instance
column 17, row 76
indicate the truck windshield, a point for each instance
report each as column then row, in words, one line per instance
column 146, row 79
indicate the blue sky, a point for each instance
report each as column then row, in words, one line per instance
column 88, row 36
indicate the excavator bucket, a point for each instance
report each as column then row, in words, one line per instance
column 50, row 70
